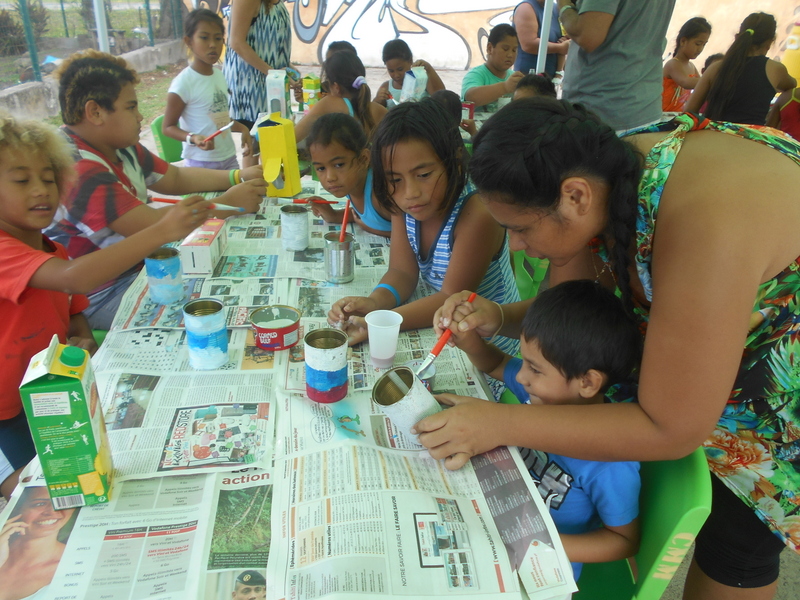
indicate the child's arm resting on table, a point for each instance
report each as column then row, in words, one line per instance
column 603, row 545
column 85, row 273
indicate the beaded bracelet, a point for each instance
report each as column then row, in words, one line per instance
column 502, row 322
column 394, row 292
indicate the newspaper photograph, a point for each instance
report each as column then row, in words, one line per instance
column 157, row 424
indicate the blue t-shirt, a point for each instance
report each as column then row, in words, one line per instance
column 582, row 495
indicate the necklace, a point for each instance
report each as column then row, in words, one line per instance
column 605, row 268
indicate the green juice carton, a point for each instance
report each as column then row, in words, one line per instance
column 62, row 404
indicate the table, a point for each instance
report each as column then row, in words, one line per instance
column 235, row 471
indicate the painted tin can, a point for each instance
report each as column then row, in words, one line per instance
column 294, row 227
column 326, row 365
column 275, row 327
column 404, row 399
column 206, row 333
column 164, row 279
column 340, row 259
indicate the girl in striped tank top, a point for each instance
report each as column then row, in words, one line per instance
column 441, row 230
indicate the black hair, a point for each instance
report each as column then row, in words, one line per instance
column 201, row 15
column 341, row 46
column 340, row 128
column 541, row 84
column 451, row 102
column 427, row 121
column 712, row 59
column 344, row 68
column 500, row 32
column 397, row 48
column 580, row 325
column 525, row 151
column 720, row 95
column 691, row 29
column 91, row 75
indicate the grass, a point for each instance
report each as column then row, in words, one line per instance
column 151, row 91
column 125, row 19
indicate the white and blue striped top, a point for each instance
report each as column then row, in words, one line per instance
column 498, row 284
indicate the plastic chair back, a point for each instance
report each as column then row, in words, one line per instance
column 529, row 274
column 168, row 149
column 674, row 503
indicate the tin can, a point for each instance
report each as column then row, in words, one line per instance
column 206, row 333
column 427, row 376
column 326, row 365
column 294, row 227
column 164, row 279
column 339, row 258
column 404, row 399
column 275, row 327
column 467, row 110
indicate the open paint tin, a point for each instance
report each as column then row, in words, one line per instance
column 275, row 326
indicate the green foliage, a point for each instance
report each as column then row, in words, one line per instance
column 242, row 525
column 39, row 16
column 12, row 35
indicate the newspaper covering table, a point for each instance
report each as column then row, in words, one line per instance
column 236, row 469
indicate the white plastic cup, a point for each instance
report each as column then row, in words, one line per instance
column 383, row 328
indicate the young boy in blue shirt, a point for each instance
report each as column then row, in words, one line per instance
column 577, row 341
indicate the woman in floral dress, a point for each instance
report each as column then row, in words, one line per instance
column 697, row 225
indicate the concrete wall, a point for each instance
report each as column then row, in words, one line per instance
column 452, row 33
column 36, row 100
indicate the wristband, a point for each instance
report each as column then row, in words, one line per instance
column 564, row 8
column 502, row 322
column 231, row 177
column 394, row 292
column 237, row 176
column 189, row 139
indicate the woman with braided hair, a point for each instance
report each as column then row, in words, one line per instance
column 740, row 87
column 716, row 286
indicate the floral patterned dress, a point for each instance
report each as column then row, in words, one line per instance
column 755, row 447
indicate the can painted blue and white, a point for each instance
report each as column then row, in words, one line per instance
column 326, row 367
column 206, row 333
column 164, row 278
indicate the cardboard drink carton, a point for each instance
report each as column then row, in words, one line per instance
column 66, row 420
column 202, row 248
column 414, row 84
column 311, row 89
column 279, row 157
column 278, row 98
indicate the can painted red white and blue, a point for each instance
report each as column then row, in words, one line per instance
column 326, row 373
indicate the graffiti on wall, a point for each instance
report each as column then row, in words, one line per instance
column 447, row 33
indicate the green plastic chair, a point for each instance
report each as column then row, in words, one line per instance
column 529, row 273
column 99, row 335
column 168, row 149
column 674, row 503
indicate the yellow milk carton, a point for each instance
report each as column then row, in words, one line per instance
column 279, row 157
column 66, row 420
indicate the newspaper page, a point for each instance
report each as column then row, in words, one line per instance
column 162, row 423
column 360, row 519
column 175, row 538
column 142, row 544
column 239, row 296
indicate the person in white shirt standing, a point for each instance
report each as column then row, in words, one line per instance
column 197, row 101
